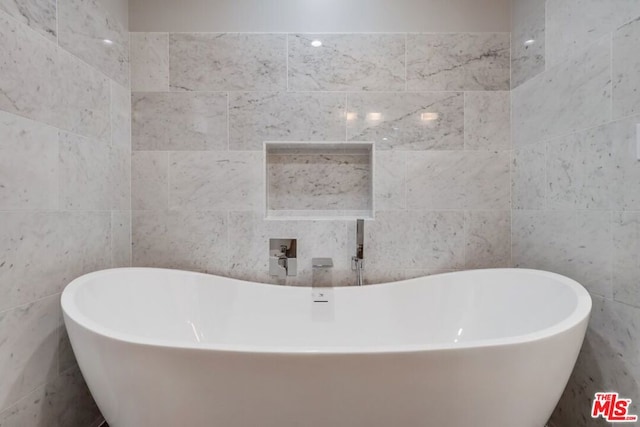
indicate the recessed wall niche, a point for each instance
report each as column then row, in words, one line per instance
column 319, row 180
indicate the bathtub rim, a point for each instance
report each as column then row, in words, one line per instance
column 580, row 313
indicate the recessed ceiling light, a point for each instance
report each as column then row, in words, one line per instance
column 316, row 43
column 529, row 42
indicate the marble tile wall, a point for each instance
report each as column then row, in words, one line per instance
column 65, row 197
column 437, row 107
column 576, row 178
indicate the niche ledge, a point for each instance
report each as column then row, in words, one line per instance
column 319, row 180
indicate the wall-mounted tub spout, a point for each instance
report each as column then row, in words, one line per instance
column 357, row 261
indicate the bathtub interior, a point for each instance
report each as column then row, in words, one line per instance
column 159, row 306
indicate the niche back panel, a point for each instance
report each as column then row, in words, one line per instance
column 319, row 180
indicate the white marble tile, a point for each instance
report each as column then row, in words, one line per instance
column 328, row 181
column 415, row 240
column 573, row 24
column 40, row 253
column 120, row 178
column 179, row 121
column 255, row 117
column 186, row 240
column 576, row 244
column 608, row 361
column 390, row 183
column 68, row 401
column 28, row 164
column 249, row 247
column 216, row 180
column 572, row 96
column 458, row 61
column 28, row 349
column 595, row 169
column 626, row 70
column 86, row 29
column 86, row 180
column 120, row 116
column 149, row 180
column 527, row 40
column 458, row 180
column 149, row 62
column 343, row 62
column 220, row 61
column 487, row 239
column 37, row 14
column 626, row 257
column 45, row 83
column 528, row 177
column 26, row 412
column 487, row 120
column 407, row 121
column 120, row 239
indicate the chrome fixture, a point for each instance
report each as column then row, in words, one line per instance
column 357, row 261
column 283, row 260
column 321, row 293
column 321, row 262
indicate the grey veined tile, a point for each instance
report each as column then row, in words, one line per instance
column 28, row 164
column 28, row 350
column 37, row 14
column 86, row 29
column 120, row 116
column 149, row 180
column 487, row 117
column 595, row 169
column 572, row 96
column 187, row 240
column 527, row 40
column 407, row 121
column 574, row 243
column 390, row 184
column 626, row 257
column 121, row 239
column 149, row 62
column 573, row 24
column 458, row 61
column 529, row 177
column 346, row 62
column 40, row 253
column 626, row 70
column 179, row 121
column 216, row 180
column 46, row 83
column 458, row 180
column 487, row 239
column 416, row 240
column 255, row 117
column 221, row 61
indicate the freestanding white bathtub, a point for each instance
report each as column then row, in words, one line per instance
column 167, row 348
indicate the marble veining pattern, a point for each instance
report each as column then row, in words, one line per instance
column 41, row 252
column 527, row 40
column 28, row 349
column 37, row 14
column 255, row 117
column 407, row 121
column 179, row 121
column 120, row 239
column 185, row 239
column 487, row 120
column 149, row 62
column 458, row 180
column 626, row 70
column 216, row 180
column 528, row 177
column 47, row 84
column 347, row 62
column 574, row 243
column 487, row 239
column 390, row 184
column 458, row 61
column 325, row 181
column 150, row 180
column 28, row 164
column 215, row 62
column 86, row 30
column 626, row 257
column 572, row 96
